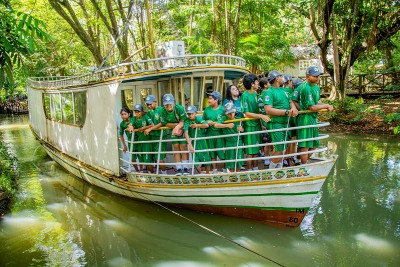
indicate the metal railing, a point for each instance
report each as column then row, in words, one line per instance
column 129, row 163
column 138, row 67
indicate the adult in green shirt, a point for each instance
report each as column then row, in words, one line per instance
column 278, row 104
column 251, row 110
column 309, row 99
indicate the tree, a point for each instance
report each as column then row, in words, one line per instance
column 350, row 28
column 101, row 24
column 18, row 31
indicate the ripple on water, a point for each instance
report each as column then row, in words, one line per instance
column 120, row 262
column 375, row 245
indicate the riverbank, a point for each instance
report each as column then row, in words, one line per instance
column 8, row 176
column 378, row 116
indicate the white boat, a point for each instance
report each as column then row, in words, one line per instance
column 76, row 120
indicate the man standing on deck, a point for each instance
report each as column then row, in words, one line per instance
column 250, row 109
column 278, row 104
column 309, row 99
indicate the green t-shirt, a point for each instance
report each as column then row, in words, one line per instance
column 192, row 131
column 289, row 91
column 122, row 127
column 234, row 130
column 309, row 95
column 176, row 115
column 261, row 102
column 277, row 98
column 155, row 116
column 139, row 123
column 250, row 104
column 213, row 115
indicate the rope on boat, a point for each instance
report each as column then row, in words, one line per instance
column 209, row 230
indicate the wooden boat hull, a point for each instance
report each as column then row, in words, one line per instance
column 280, row 196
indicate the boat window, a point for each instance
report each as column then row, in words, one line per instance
column 47, row 105
column 163, row 88
column 80, row 108
column 197, row 91
column 215, row 83
column 55, row 107
column 143, row 93
column 127, row 99
column 187, row 92
column 69, row 108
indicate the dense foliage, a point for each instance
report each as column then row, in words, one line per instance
column 8, row 170
column 19, row 33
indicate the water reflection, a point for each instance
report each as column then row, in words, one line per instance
column 58, row 220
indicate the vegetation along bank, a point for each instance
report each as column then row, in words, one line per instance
column 8, row 176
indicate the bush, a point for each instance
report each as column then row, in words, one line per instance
column 8, row 170
column 392, row 87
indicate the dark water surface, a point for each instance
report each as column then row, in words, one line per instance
column 58, row 220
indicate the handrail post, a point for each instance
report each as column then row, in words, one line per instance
column 237, row 146
column 194, row 153
column 159, row 152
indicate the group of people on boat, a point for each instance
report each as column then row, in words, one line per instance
column 273, row 102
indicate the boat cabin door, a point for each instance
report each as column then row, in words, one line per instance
column 136, row 94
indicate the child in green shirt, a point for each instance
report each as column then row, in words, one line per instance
column 194, row 127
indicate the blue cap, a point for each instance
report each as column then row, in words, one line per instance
column 216, row 95
column 138, row 107
column 297, row 82
column 273, row 74
column 287, row 78
column 229, row 108
column 191, row 109
column 313, row 71
column 168, row 99
column 150, row 99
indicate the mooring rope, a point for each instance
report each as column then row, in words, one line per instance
column 209, row 230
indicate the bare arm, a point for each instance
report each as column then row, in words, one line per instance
column 224, row 125
column 191, row 148
column 263, row 117
column 320, row 106
column 121, row 137
column 153, row 127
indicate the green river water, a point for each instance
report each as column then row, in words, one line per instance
column 59, row 220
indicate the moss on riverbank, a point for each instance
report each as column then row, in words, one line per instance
column 8, row 175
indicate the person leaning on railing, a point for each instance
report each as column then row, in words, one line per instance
column 309, row 99
column 194, row 128
column 155, row 112
column 232, row 142
column 173, row 116
column 142, row 122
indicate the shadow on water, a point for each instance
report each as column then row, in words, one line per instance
column 59, row 220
